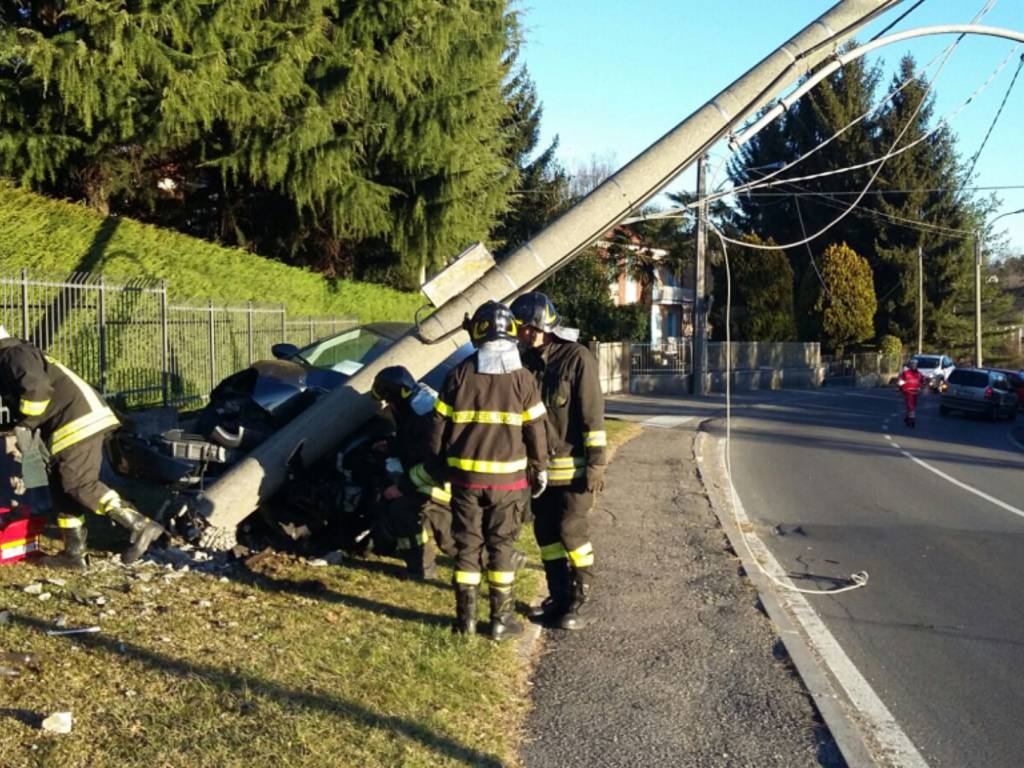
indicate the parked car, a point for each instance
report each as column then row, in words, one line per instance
column 1016, row 379
column 935, row 369
column 979, row 390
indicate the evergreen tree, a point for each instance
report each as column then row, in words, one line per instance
column 762, row 295
column 345, row 135
column 845, row 298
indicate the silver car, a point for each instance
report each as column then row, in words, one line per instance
column 979, row 390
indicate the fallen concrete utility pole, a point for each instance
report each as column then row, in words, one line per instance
column 254, row 479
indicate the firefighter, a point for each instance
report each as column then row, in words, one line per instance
column 72, row 420
column 571, row 390
column 488, row 439
column 417, row 512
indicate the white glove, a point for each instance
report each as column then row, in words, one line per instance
column 539, row 483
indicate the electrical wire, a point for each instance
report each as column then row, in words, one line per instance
column 858, row 579
column 974, row 159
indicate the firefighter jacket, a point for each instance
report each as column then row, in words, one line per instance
column 571, row 389
column 414, row 422
column 488, row 428
column 50, row 397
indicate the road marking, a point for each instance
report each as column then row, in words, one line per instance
column 1014, row 440
column 667, row 422
column 969, row 488
column 871, row 711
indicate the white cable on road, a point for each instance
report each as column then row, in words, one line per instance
column 858, row 579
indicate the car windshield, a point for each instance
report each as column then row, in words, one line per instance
column 927, row 361
column 346, row 352
column 969, row 378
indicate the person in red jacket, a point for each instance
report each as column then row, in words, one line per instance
column 910, row 382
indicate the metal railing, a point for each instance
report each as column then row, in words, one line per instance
column 136, row 347
column 670, row 357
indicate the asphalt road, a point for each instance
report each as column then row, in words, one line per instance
column 939, row 631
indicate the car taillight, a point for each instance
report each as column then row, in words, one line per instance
column 988, row 393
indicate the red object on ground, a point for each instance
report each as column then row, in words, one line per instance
column 19, row 533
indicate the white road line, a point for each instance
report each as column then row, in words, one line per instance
column 667, row 422
column 969, row 488
column 1014, row 440
column 873, row 714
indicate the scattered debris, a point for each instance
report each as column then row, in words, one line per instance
column 16, row 659
column 61, row 621
column 9, row 672
column 335, row 558
column 317, row 562
column 44, row 597
column 56, row 582
column 203, row 604
column 5, row 618
column 58, row 722
column 35, row 588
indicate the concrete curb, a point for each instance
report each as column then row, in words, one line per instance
column 833, row 704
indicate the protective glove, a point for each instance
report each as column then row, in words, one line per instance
column 538, row 483
column 595, row 478
column 33, row 457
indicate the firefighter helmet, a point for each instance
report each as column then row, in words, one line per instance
column 536, row 310
column 491, row 322
column 393, row 384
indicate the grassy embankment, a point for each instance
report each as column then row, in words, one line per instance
column 282, row 664
column 54, row 238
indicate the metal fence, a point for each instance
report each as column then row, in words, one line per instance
column 135, row 346
column 670, row 357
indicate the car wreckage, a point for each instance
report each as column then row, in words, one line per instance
column 326, row 504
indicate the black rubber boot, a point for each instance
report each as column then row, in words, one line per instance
column 503, row 618
column 72, row 557
column 466, row 596
column 580, row 613
column 556, row 604
column 421, row 561
column 143, row 531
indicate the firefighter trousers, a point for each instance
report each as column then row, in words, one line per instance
column 75, row 479
column 561, row 524
column 411, row 520
column 486, row 519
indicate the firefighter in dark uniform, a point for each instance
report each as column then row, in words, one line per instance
column 72, row 420
column 417, row 512
column 571, row 389
column 488, row 438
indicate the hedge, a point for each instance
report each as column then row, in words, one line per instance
column 51, row 237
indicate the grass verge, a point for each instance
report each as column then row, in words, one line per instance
column 287, row 664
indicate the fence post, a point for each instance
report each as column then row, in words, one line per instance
column 311, row 339
column 24, row 304
column 249, row 317
column 284, row 323
column 102, row 309
column 213, row 357
column 164, row 344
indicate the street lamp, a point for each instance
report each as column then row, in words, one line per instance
column 977, row 287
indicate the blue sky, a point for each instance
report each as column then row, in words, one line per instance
column 614, row 76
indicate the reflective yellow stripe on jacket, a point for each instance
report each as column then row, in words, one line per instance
column 33, row 407
column 506, row 418
column 596, row 439
column 566, row 468
column 77, row 430
column 487, row 467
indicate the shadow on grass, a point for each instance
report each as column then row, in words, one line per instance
column 317, row 702
column 319, row 590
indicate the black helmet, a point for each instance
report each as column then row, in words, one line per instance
column 393, row 384
column 491, row 322
column 536, row 310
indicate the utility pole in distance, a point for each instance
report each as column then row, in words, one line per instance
column 699, row 316
column 977, row 299
column 920, row 300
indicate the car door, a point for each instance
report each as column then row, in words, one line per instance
column 1001, row 387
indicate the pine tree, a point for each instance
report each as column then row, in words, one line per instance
column 345, row 135
column 762, row 295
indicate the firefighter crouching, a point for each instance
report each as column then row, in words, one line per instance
column 488, row 437
column 417, row 512
column 571, row 389
column 72, row 420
